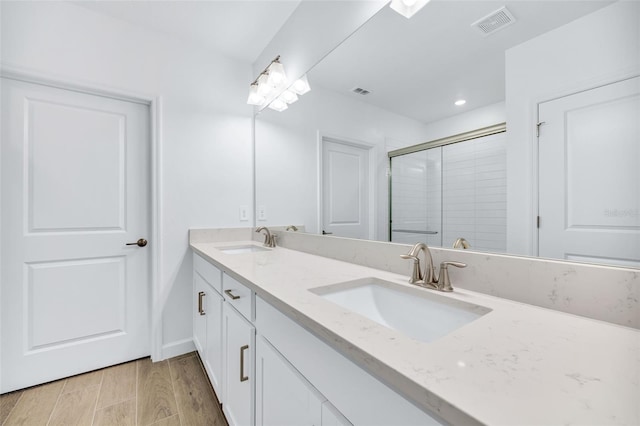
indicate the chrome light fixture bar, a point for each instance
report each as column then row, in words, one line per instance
column 271, row 88
column 408, row 8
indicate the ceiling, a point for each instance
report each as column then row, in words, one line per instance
column 419, row 67
column 416, row 67
column 239, row 29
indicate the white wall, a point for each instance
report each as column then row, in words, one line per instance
column 287, row 152
column 465, row 121
column 598, row 49
column 206, row 125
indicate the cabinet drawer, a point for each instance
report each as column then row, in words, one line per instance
column 238, row 295
column 210, row 273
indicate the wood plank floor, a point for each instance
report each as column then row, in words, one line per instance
column 174, row 392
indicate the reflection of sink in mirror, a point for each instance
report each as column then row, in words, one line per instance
column 414, row 312
column 242, row 249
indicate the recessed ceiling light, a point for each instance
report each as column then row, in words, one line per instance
column 460, row 102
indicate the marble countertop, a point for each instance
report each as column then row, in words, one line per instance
column 518, row 364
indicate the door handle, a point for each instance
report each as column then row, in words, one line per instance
column 326, row 233
column 243, row 378
column 140, row 243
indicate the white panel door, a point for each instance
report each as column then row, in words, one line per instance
column 75, row 191
column 345, row 189
column 589, row 150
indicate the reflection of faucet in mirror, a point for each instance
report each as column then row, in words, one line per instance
column 461, row 242
column 269, row 239
column 292, row 228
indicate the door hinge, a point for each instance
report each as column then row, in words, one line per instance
column 538, row 221
column 538, row 128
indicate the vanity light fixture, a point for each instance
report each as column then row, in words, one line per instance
column 271, row 88
column 407, row 8
column 460, row 102
column 289, row 96
column 301, row 85
column 278, row 105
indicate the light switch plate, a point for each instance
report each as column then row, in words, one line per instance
column 262, row 213
column 244, row 213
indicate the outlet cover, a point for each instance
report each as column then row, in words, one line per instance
column 244, row 213
column 262, row 213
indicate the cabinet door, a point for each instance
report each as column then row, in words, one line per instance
column 200, row 289
column 332, row 417
column 238, row 382
column 213, row 352
column 283, row 396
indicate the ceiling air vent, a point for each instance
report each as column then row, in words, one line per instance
column 494, row 21
column 360, row 91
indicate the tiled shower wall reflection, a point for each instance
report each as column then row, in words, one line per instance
column 458, row 190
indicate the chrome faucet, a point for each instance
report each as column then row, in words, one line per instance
column 269, row 240
column 291, row 228
column 427, row 278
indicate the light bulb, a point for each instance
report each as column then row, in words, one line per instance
column 407, row 8
column 289, row 96
column 278, row 105
column 277, row 75
column 460, row 102
column 301, row 85
column 254, row 97
column 264, row 88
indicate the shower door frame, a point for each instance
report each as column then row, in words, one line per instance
column 460, row 137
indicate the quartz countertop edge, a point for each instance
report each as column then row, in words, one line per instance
column 517, row 364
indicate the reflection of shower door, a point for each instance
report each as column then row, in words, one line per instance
column 416, row 198
column 441, row 193
column 589, row 151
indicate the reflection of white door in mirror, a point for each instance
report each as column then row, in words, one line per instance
column 345, row 189
column 589, row 150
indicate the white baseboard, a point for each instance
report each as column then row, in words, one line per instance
column 178, row 347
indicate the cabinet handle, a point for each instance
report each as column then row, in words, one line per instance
column 231, row 295
column 243, row 378
column 200, row 296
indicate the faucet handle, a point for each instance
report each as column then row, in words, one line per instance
column 416, row 274
column 444, row 282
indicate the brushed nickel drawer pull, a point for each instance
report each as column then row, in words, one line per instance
column 200, row 296
column 231, row 295
column 243, row 378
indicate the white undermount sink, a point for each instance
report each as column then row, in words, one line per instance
column 242, row 249
column 418, row 313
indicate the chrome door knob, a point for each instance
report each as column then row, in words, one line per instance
column 140, row 243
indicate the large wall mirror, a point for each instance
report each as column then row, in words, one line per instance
column 379, row 149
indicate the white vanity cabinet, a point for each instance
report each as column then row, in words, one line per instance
column 332, row 417
column 360, row 398
column 207, row 319
column 283, row 396
column 239, row 349
column 267, row 370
